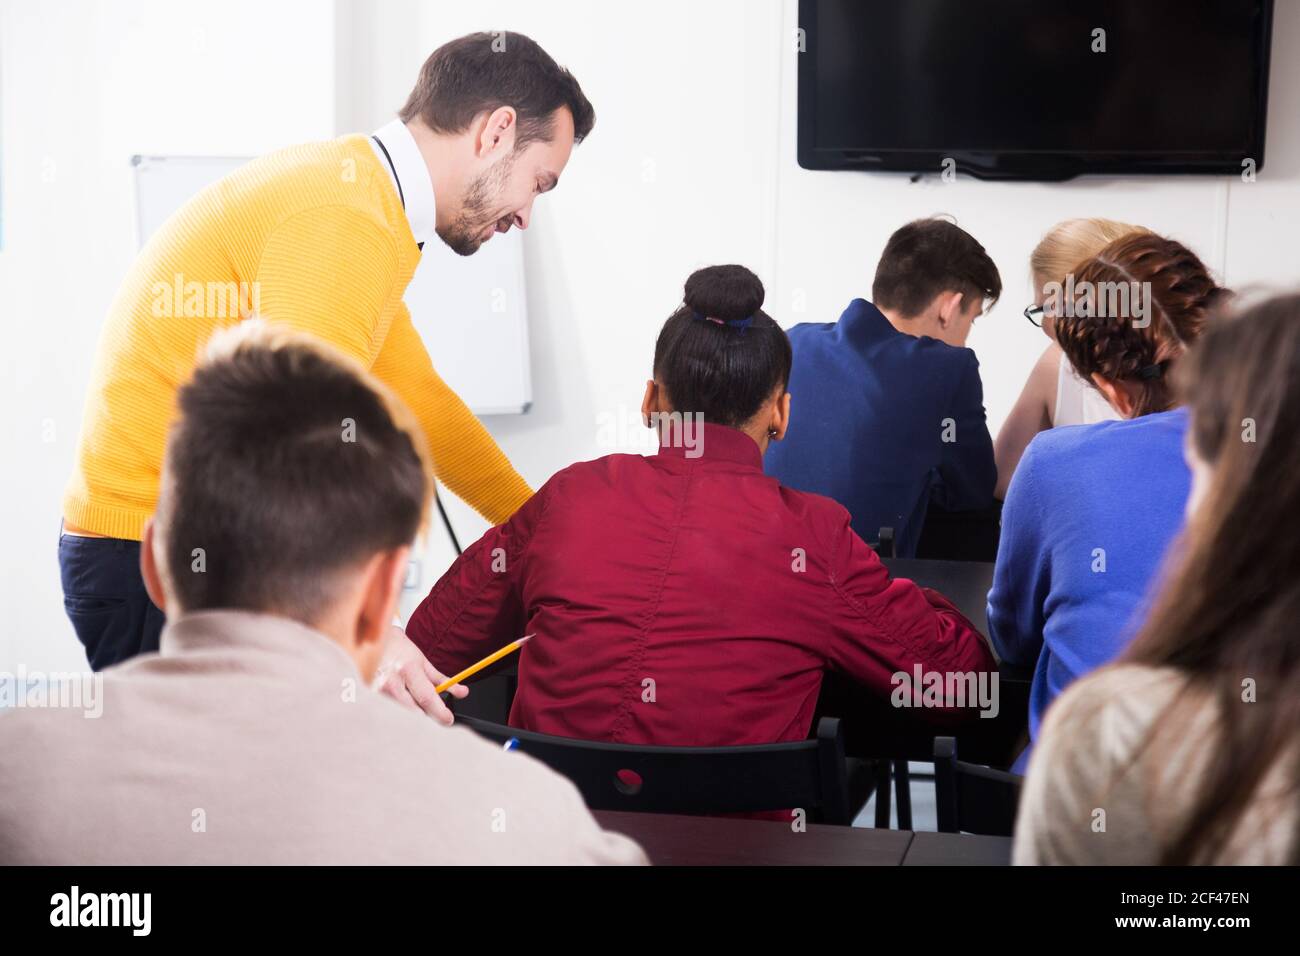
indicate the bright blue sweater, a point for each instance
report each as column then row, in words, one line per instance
column 884, row 423
column 1084, row 498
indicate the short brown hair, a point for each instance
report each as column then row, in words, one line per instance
column 289, row 465
column 928, row 257
column 478, row 73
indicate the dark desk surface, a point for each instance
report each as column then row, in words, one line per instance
column 671, row 840
column 957, row 849
column 965, row 583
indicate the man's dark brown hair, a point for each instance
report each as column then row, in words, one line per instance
column 289, row 466
column 478, row 73
column 928, row 257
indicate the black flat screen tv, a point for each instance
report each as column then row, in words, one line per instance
column 1034, row 89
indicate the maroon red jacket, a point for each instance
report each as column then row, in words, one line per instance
column 687, row 601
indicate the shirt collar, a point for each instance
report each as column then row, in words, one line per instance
column 863, row 323
column 412, row 173
column 687, row 439
column 246, row 632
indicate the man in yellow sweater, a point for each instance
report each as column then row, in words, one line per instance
column 325, row 238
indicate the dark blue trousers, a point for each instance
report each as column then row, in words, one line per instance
column 104, row 597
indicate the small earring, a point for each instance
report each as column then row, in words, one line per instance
column 771, row 433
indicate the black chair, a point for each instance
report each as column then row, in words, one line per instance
column 809, row 774
column 489, row 697
column 961, row 535
column 971, row 798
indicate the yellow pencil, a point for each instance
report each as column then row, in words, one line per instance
column 485, row 662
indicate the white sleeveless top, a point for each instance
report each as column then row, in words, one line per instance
column 1077, row 402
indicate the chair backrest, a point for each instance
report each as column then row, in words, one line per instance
column 806, row 774
column 970, row 798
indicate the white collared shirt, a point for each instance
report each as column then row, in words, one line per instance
column 410, row 170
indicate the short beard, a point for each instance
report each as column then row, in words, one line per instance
column 464, row 235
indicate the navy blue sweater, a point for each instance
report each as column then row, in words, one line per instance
column 884, row 422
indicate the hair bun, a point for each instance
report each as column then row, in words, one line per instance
column 724, row 292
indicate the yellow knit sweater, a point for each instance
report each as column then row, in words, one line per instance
column 314, row 237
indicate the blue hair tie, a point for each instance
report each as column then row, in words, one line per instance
column 741, row 324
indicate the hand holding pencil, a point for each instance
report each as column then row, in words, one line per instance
column 408, row 676
column 485, row 662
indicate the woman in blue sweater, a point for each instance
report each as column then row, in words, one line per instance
column 1091, row 508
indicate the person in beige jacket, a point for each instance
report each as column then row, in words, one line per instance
column 292, row 486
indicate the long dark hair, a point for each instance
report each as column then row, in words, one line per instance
column 1229, row 610
column 1115, row 345
column 720, row 355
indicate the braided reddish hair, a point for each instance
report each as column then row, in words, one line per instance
column 1179, row 296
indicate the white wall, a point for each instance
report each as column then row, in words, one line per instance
column 678, row 173
column 85, row 85
column 1236, row 227
column 691, row 162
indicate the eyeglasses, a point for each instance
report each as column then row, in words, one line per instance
column 1034, row 314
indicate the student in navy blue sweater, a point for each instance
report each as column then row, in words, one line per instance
column 889, row 407
column 1092, row 508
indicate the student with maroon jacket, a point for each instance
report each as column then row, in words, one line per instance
column 686, row 598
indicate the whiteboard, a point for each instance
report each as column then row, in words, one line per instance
column 471, row 311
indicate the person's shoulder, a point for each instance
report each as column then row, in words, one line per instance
column 1103, row 717
column 577, row 486
column 1050, row 443
column 1095, row 728
column 318, row 179
column 23, row 727
column 1049, row 362
column 810, row 338
column 1048, row 458
column 343, row 163
column 818, row 513
column 546, row 813
column 801, row 329
column 939, row 358
column 829, row 335
column 1169, row 426
column 1067, row 442
column 29, row 734
column 607, row 469
column 456, row 749
column 1153, row 685
column 1084, row 799
column 1063, row 443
